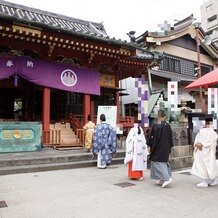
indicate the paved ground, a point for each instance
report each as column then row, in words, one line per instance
column 90, row 192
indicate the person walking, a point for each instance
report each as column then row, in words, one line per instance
column 89, row 130
column 160, row 142
column 104, row 143
column 205, row 165
column 136, row 153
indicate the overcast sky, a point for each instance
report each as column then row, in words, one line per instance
column 121, row 16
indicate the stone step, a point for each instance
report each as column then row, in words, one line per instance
column 176, row 163
column 61, row 126
column 69, row 139
column 52, row 166
column 50, row 159
column 67, row 145
column 24, row 161
column 67, row 132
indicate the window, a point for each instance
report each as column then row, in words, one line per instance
column 204, row 69
column 210, row 19
column 174, row 65
column 171, row 64
column 182, row 66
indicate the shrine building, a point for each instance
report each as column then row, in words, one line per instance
column 59, row 69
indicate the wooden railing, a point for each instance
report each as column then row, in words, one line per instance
column 51, row 137
column 126, row 121
column 80, row 136
column 76, row 122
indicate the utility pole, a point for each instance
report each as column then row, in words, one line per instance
column 198, row 43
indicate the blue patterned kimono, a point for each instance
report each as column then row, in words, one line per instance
column 104, row 141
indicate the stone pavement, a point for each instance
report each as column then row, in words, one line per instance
column 90, row 192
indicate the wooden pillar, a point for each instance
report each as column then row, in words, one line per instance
column 117, row 77
column 46, row 109
column 86, row 107
column 92, row 108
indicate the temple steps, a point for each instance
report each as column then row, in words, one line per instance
column 68, row 136
column 51, row 159
column 24, row 163
column 51, row 166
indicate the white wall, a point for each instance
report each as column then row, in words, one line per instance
column 129, row 85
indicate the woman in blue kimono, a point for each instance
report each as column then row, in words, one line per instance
column 104, row 143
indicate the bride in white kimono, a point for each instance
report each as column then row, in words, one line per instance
column 136, row 153
column 205, row 165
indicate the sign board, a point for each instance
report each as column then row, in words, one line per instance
column 110, row 113
column 107, row 80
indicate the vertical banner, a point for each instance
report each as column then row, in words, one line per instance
column 172, row 94
column 110, row 113
column 213, row 104
column 143, row 93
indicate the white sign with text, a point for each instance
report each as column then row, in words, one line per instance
column 110, row 113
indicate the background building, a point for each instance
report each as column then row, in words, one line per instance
column 209, row 19
column 186, row 57
column 57, row 69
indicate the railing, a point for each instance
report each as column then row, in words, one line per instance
column 51, row 137
column 80, row 136
column 126, row 121
column 76, row 122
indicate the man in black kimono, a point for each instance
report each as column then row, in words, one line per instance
column 160, row 142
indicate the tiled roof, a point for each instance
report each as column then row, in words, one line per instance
column 27, row 14
column 40, row 18
column 143, row 55
column 172, row 75
column 178, row 27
